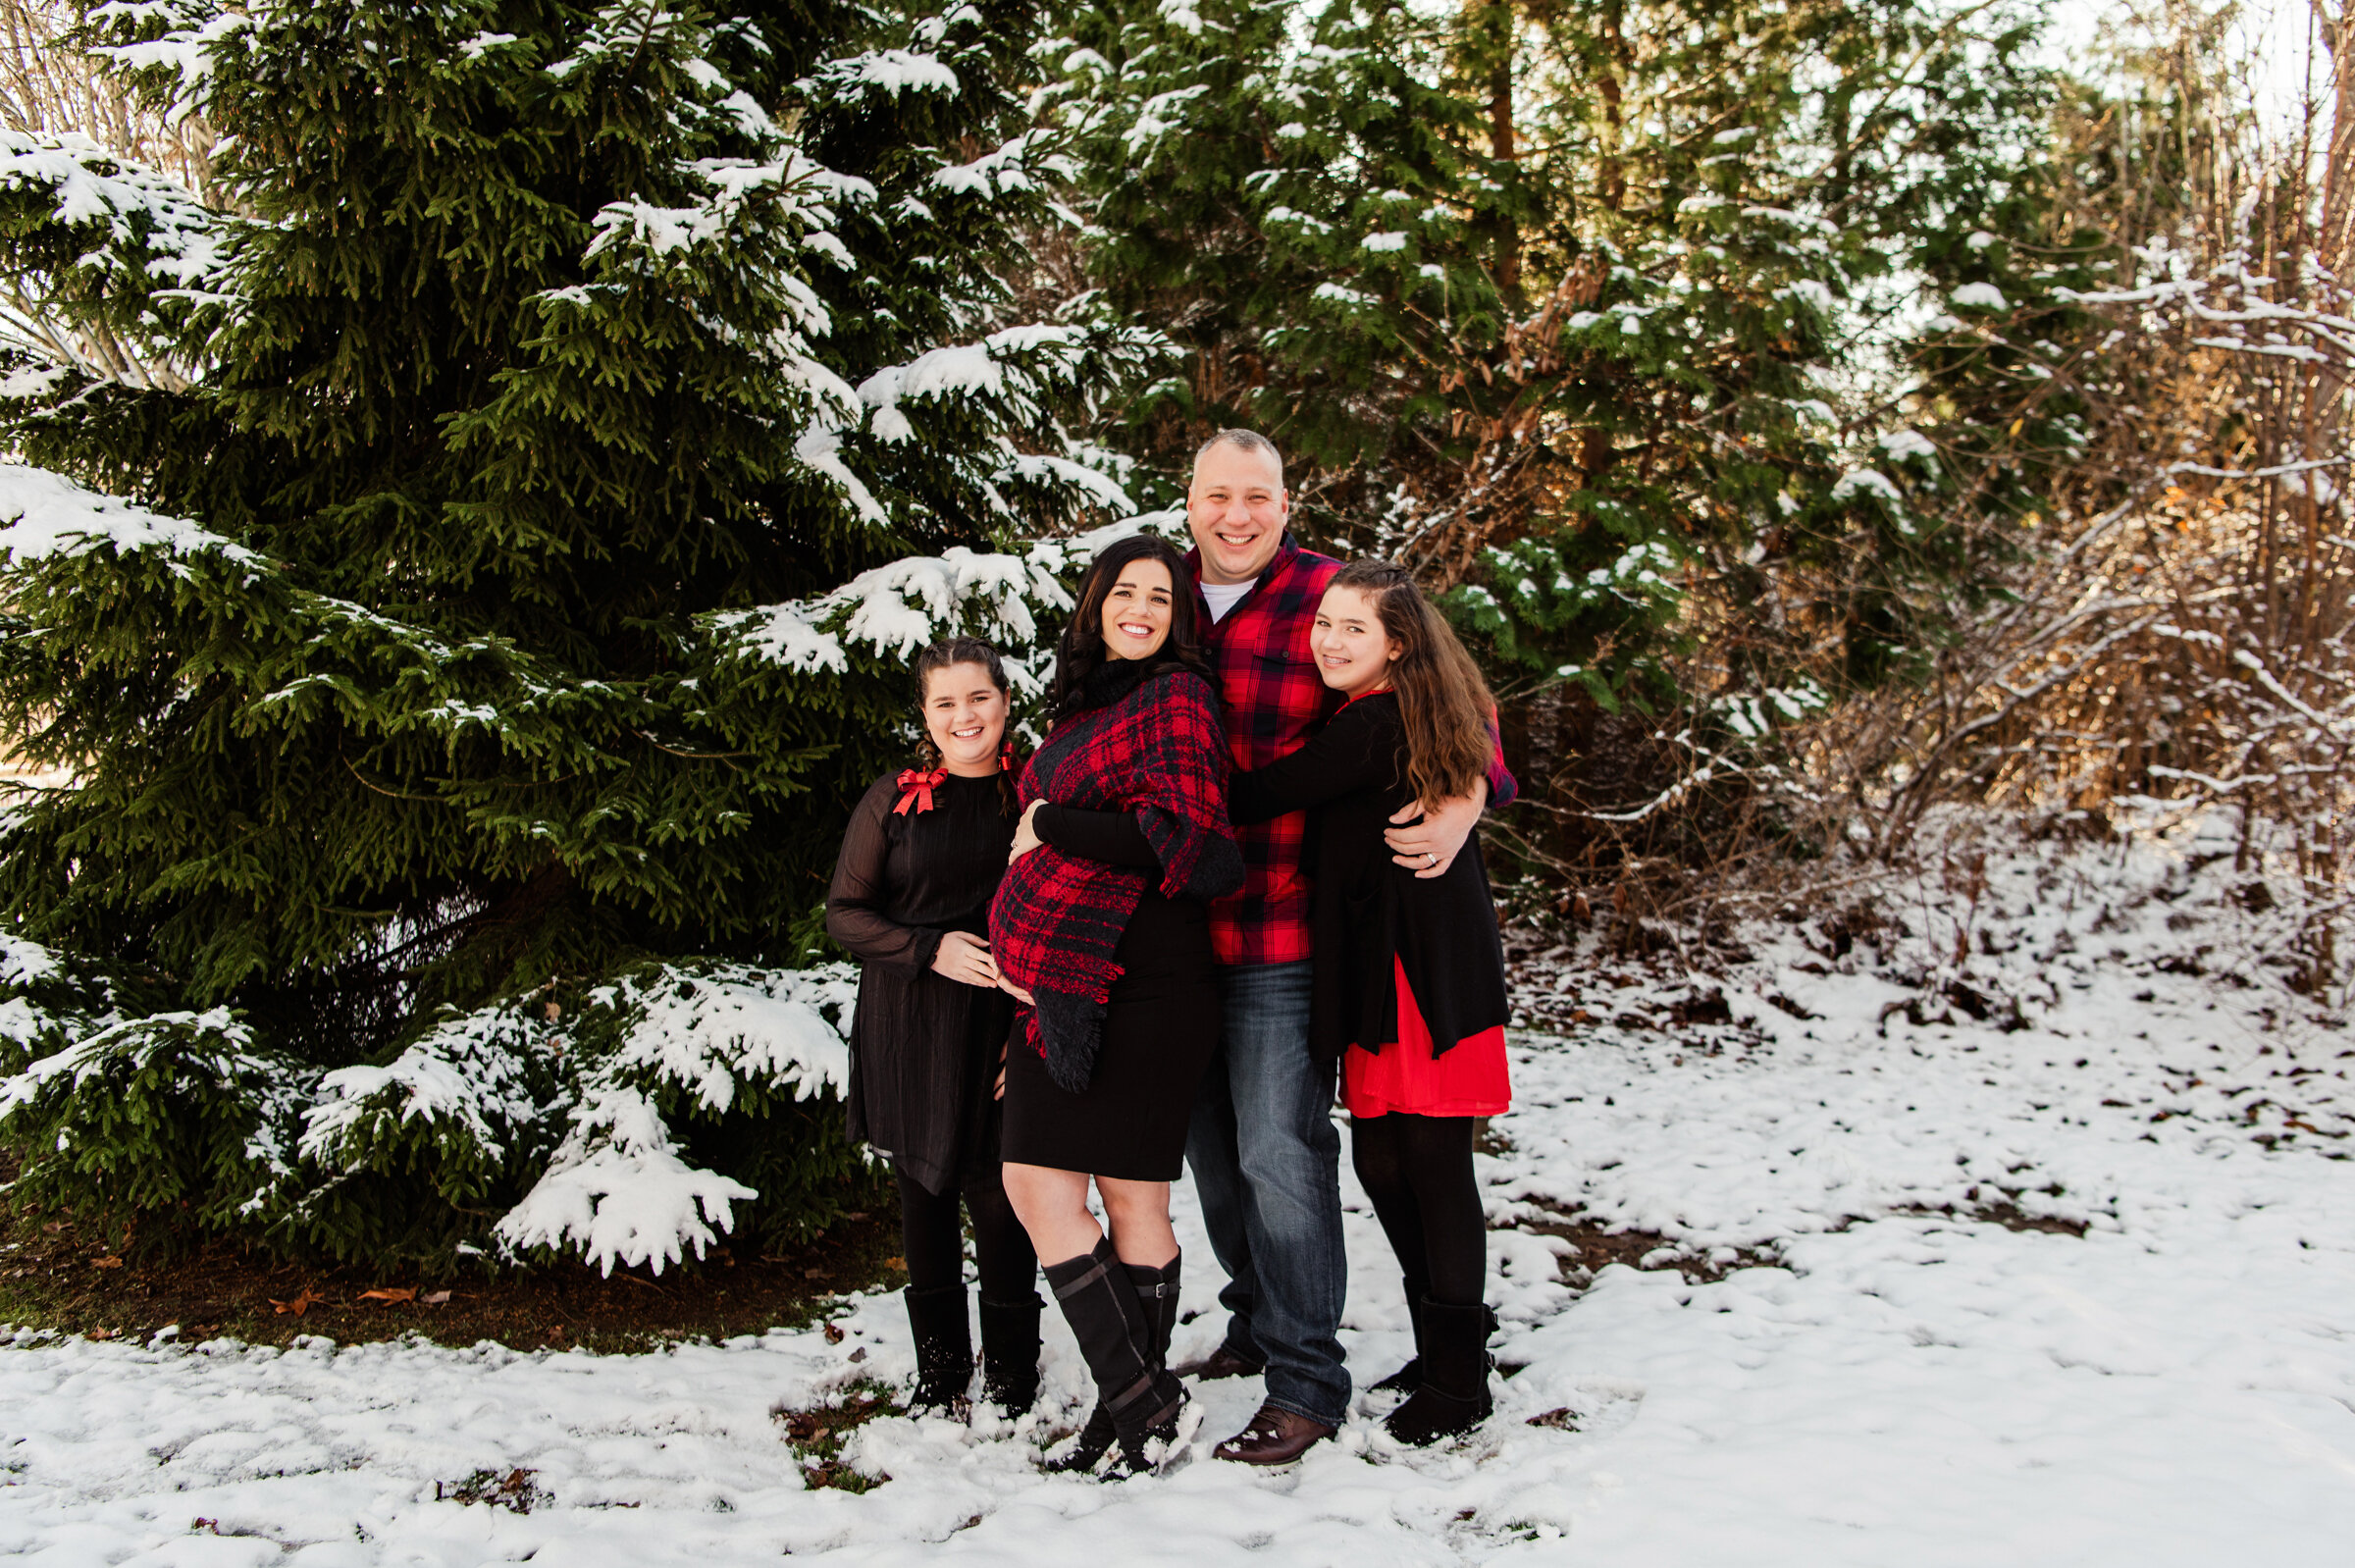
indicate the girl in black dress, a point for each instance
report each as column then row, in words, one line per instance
column 1408, row 993
column 920, row 862
column 1100, row 931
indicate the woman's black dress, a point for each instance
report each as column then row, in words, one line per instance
column 1160, row 1027
column 923, row 1048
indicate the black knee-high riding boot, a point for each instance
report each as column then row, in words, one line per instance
column 1117, row 1335
column 1157, row 1292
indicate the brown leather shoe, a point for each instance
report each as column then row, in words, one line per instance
column 1220, row 1362
column 1274, row 1438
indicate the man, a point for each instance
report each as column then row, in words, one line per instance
column 1263, row 1148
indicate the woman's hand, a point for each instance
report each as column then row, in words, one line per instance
column 1015, row 991
column 1429, row 847
column 1025, row 836
column 966, row 959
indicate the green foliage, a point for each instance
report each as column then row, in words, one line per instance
column 420, row 1157
column 375, row 567
column 178, row 1116
column 654, row 1084
column 1678, row 342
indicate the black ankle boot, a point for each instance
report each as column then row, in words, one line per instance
column 1454, row 1396
column 944, row 1350
column 1099, row 1300
column 1009, row 1353
column 1409, row 1377
column 1156, row 1292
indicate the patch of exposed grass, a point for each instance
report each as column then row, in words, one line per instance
column 817, row 1435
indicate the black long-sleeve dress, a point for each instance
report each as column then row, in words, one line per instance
column 923, row 1048
column 1161, row 1022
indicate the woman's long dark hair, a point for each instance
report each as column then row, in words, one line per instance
column 1441, row 699
column 946, row 654
column 1080, row 652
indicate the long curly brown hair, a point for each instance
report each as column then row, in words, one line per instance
column 1442, row 698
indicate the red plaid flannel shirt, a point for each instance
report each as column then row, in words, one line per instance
column 1275, row 700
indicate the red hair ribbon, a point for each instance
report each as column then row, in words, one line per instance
column 915, row 789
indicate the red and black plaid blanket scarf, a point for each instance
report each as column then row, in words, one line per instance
column 1154, row 748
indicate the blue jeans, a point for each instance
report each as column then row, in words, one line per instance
column 1266, row 1159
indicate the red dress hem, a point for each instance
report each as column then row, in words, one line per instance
column 1470, row 1079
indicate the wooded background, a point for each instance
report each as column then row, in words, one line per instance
column 478, row 475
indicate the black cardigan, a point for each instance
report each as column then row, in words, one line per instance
column 1366, row 908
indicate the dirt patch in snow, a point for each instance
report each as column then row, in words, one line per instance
column 1596, row 1247
column 85, row 1279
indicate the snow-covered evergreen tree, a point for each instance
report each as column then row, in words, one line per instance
column 1624, row 321
column 454, row 671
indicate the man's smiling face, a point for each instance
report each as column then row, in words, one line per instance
column 1236, row 507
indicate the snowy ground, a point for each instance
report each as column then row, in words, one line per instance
column 1893, row 1384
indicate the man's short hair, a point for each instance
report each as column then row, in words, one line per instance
column 1250, row 440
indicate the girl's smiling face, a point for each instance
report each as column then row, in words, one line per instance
column 964, row 713
column 1353, row 653
column 1136, row 611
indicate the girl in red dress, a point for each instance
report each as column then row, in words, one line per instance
column 1409, row 984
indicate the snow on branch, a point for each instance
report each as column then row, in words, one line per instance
column 126, row 203
column 193, row 31
column 228, row 1053
column 465, row 1075
column 800, row 193
column 1015, row 600
column 886, row 71
column 993, row 172
column 710, row 1028
column 23, row 962
column 617, row 1191
column 44, row 514
column 145, row 1074
column 1014, row 365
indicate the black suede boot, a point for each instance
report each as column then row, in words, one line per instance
column 1454, row 1396
column 1409, row 1377
column 1099, row 1300
column 1009, row 1353
column 944, row 1351
column 1157, row 1293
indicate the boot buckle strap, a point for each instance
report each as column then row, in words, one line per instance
column 1071, row 1288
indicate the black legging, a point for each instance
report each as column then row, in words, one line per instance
column 1418, row 1170
column 934, row 1238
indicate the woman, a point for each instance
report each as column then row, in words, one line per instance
column 1099, row 931
column 911, row 899
column 1410, row 981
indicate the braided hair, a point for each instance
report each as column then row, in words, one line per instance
column 947, row 653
